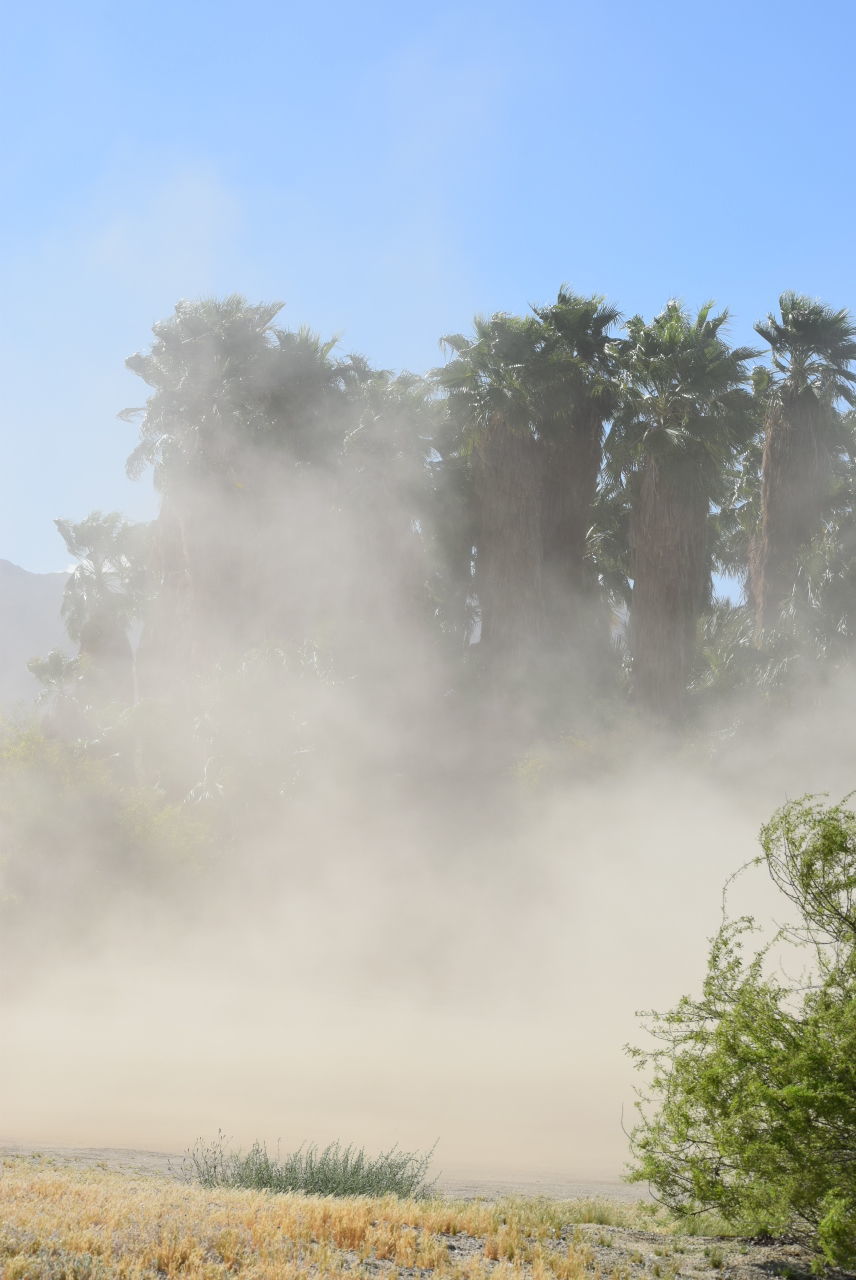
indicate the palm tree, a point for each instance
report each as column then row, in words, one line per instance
column 579, row 397
column 683, row 415
column 102, row 597
column 812, row 349
column 386, row 596
column 227, row 386
column 239, row 411
column 493, row 389
column 208, row 368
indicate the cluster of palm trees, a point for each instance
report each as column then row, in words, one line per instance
column 548, row 509
column 674, row 456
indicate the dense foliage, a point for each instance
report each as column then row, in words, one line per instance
column 752, row 1101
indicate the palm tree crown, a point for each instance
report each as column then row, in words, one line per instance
column 579, row 367
column 683, row 390
column 812, row 347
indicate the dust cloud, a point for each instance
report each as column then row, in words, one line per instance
column 401, row 926
column 482, row 1004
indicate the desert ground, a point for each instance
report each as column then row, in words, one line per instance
column 168, row 1164
column 97, row 1213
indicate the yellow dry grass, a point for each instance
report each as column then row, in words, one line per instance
column 60, row 1223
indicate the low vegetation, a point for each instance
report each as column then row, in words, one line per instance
column 333, row 1171
column 61, row 1222
column 96, row 1224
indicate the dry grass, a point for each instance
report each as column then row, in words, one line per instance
column 59, row 1223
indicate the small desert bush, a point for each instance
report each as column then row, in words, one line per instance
column 333, row 1171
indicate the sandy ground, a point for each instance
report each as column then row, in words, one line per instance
column 168, row 1164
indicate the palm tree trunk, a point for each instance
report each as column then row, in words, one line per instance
column 794, row 478
column 671, row 572
column 571, row 465
column 571, row 468
column 507, row 483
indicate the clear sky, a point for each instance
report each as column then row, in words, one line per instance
column 388, row 171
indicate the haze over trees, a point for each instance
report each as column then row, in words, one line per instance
column 368, row 592
column 362, row 583
column 534, row 526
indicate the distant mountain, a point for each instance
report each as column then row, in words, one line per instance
column 30, row 626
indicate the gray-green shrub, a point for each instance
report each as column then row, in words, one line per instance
column 332, row 1171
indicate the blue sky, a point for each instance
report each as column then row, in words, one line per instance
column 387, row 172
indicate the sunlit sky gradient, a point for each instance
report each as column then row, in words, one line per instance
column 388, row 172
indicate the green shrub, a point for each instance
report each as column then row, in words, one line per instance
column 333, row 1171
column 751, row 1110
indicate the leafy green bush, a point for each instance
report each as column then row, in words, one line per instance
column 333, row 1171
column 751, row 1109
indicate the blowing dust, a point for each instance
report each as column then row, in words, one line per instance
column 400, row 975
column 372, row 905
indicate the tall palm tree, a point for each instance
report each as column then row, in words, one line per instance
column 387, row 597
column 684, row 413
column 239, row 411
column 578, row 395
column 227, row 385
column 208, row 370
column 579, row 392
column 493, row 390
column 812, row 349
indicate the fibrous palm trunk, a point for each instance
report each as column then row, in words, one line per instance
column 571, row 465
column 671, row 581
column 794, row 476
column 507, row 479
column 571, row 468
